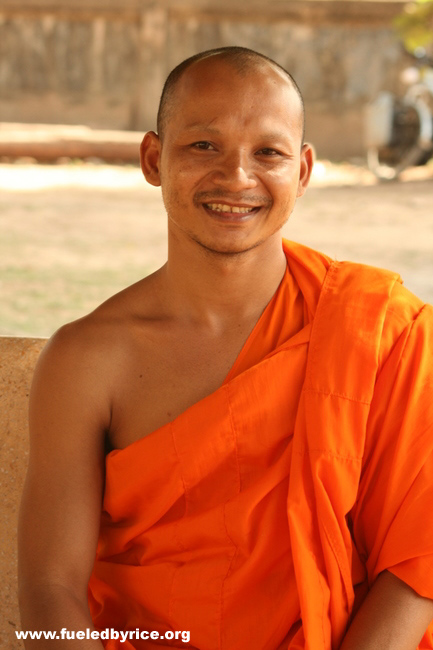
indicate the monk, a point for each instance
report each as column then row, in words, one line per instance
column 237, row 451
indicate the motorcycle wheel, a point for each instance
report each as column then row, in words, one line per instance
column 409, row 145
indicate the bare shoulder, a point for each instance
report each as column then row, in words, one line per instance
column 72, row 366
column 77, row 377
column 100, row 340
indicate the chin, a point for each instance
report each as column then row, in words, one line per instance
column 227, row 248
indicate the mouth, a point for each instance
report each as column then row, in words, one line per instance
column 232, row 212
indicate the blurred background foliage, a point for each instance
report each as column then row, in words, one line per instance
column 415, row 28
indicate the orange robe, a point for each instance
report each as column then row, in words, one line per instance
column 259, row 517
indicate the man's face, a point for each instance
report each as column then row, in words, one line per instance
column 231, row 165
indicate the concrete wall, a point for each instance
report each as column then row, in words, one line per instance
column 103, row 62
column 17, row 360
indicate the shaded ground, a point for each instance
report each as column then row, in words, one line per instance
column 73, row 234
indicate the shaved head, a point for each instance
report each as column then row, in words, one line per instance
column 243, row 60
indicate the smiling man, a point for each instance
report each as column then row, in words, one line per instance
column 268, row 413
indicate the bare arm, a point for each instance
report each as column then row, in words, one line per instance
column 61, row 503
column 392, row 617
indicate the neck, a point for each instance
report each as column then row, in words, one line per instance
column 220, row 291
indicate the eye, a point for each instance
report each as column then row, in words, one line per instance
column 267, row 151
column 203, row 145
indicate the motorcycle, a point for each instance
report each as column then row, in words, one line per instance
column 399, row 131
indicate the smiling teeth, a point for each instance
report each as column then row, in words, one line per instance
column 221, row 207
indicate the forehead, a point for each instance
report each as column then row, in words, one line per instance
column 215, row 89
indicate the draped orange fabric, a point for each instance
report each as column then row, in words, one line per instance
column 259, row 517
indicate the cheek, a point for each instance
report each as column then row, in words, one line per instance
column 182, row 176
column 179, row 188
column 175, row 194
column 284, row 187
column 285, row 174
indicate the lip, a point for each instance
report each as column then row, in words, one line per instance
column 234, row 217
column 232, row 204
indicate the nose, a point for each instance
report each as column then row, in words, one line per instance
column 234, row 172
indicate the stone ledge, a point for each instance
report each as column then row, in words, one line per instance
column 46, row 142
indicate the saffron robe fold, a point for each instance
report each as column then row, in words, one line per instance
column 262, row 514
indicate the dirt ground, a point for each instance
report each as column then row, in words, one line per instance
column 73, row 234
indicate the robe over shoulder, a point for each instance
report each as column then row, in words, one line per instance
column 260, row 516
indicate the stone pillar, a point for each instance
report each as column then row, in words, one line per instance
column 152, row 67
column 17, row 360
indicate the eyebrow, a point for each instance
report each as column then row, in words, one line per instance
column 198, row 126
column 272, row 135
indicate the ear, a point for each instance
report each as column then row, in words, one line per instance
column 307, row 162
column 150, row 152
